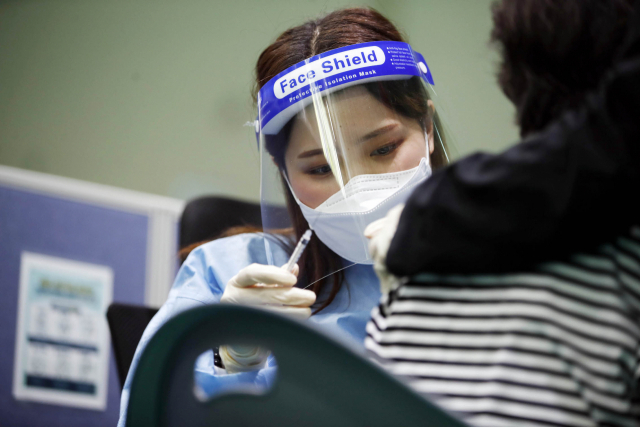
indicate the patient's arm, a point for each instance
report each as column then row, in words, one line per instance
column 571, row 187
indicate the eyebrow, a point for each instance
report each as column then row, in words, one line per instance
column 310, row 153
column 378, row 132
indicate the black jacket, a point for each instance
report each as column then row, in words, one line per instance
column 569, row 188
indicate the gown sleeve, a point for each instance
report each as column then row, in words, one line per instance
column 201, row 281
column 570, row 187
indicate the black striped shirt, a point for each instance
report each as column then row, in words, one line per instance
column 559, row 346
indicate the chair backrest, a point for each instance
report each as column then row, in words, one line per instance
column 205, row 218
column 319, row 383
column 127, row 323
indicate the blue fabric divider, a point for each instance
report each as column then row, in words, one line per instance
column 77, row 231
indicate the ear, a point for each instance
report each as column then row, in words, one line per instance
column 430, row 127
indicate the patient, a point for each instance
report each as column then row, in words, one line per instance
column 549, row 332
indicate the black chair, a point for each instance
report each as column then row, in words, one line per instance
column 127, row 323
column 206, row 218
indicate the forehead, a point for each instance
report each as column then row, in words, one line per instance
column 347, row 114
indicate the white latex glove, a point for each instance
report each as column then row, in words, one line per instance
column 240, row 358
column 269, row 287
column 380, row 233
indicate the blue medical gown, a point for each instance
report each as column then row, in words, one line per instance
column 202, row 279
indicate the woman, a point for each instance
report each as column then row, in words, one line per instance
column 347, row 127
column 527, row 311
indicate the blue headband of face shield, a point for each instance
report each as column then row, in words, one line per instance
column 293, row 89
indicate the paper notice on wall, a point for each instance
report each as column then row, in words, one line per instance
column 62, row 340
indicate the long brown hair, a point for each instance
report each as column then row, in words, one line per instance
column 408, row 97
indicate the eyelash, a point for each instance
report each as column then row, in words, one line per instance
column 317, row 171
column 393, row 146
column 325, row 169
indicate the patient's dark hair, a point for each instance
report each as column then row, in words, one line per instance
column 554, row 52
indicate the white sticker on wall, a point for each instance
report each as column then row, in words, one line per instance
column 62, row 339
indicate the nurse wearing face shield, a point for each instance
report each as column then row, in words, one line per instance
column 348, row 124
column 348, row 156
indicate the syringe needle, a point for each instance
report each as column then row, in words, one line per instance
column 297, row 252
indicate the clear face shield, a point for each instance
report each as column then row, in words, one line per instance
column 345, row 136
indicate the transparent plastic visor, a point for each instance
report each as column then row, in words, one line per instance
column 339, row 151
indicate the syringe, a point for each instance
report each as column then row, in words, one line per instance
column 297, row 252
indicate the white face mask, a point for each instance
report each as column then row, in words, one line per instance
column 340, row 221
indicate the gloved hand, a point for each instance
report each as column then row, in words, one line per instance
column 240, row 358
column 269, row 287
column 380, row 233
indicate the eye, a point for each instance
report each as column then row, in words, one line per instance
column 386, row 150
column 321, row 170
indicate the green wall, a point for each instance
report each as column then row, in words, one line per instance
column 153, row 95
